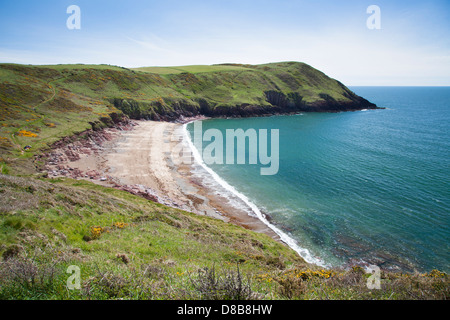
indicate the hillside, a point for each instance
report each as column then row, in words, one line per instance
column 127, row 246
column 168, row 92
column 130, row 248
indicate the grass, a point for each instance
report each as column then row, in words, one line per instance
column 190, row 69
column 38, row 110
column 69, row 215
column 128, row 247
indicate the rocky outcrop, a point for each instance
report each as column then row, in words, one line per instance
column 164, row 110
column 279, row 104
column 291, row 101
column 71, row 148
column 140, row 190
column 294, row 102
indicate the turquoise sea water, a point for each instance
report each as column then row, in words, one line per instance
column 359, row 187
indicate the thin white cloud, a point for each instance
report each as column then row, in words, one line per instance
column 353, row 58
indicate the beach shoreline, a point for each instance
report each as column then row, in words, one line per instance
column 152, row 159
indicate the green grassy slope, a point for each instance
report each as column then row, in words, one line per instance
column 80, row 223
column 38, row 109
column 131, row 248
column 246, row 90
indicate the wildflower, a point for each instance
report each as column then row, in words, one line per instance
column 96, row 232
column 437, row 274
column 120, row 225
column 27, row 134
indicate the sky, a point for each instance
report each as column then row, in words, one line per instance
column 412, row 47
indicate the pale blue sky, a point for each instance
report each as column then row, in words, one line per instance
column 412, row 47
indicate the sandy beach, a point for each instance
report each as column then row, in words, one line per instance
column 153, row 158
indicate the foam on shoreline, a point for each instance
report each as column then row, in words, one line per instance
column 254, row 210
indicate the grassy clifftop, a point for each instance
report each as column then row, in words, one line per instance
column 168, row 92
column 266, row 88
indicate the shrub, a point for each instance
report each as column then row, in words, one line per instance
column 230, row 285
column 24, row 276
column 114, row 285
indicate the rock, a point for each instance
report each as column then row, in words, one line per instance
column 140, row 190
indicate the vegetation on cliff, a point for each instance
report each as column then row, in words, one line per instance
column 167, row 93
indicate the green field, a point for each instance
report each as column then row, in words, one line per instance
column 191, row 69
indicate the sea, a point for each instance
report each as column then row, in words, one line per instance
column 369, row 187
